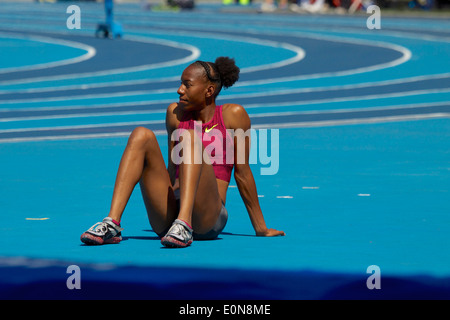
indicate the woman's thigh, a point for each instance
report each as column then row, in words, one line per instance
column 207, row 202
column 159, row 198
column 156, row 189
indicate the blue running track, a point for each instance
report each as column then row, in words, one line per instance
column 363, row 174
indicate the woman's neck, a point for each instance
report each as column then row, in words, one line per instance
column 206, row 114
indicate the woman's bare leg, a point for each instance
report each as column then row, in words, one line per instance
column 142, row 161
column 200, row 202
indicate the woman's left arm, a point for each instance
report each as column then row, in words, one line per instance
column 247, row 189
column 237, row 118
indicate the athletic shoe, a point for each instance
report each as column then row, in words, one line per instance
column 104, row 232
column 178, row 236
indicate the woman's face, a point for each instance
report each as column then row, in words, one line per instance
column 194, row 89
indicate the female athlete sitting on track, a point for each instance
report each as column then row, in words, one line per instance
column 187, row 201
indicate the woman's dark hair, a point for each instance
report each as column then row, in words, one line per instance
column 223, row 72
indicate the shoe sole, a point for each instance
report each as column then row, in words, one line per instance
column 170, row 242
column 92, row 240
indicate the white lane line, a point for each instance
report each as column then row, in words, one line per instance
column 299, row 55
column 84, row 126
column 195, row 53
column 228, row 96
column 90, row 52
column 263, row 126
column 250, row 107
column 330, row 123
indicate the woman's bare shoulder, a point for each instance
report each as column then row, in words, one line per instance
column 173, row 115
column 235, row 116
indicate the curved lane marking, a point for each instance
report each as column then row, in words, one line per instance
column 90, row 52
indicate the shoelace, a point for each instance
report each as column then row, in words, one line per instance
column 101, row 227
column 180, row 231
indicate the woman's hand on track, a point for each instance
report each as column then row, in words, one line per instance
column 270, row 233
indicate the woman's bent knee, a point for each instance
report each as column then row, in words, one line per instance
column 141, row 136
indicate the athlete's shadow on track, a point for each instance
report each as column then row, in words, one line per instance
column 124, row 238
column 155, row 237
column 238, row 234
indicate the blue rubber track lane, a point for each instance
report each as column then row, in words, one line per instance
column 362, row 118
